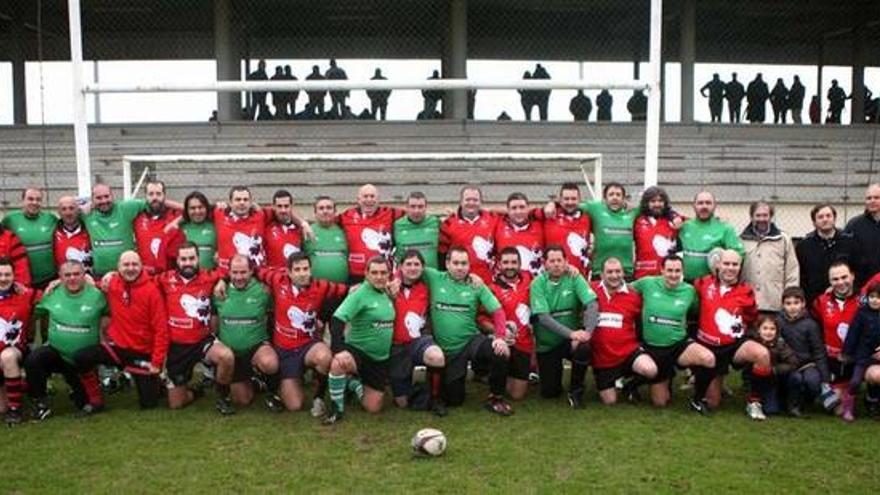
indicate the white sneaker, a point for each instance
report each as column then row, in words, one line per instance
column 319, row 409
column 755, row 411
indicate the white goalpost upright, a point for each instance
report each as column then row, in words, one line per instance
column 82, row 89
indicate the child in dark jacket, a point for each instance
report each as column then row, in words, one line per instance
column 783, row 359
column 862, row 346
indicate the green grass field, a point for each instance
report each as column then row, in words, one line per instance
column 544, row 448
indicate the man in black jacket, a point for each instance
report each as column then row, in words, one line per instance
column 821, row 247
column 865, row 228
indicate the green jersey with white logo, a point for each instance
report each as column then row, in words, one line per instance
column 36, row 235
column 698, row 238
column 204, row 236
column 112, row 233
column 328, row 253
column 423, row 237
column 564, row 300
column 74, row 319
column 370, row 314
column 665, row 311
column 612, row 235
column 243, row 316
column 454, row 308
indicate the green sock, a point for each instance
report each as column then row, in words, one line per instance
column 337, row 384
column 356, row 387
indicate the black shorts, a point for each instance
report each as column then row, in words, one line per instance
column 607, row 377
column 244, row 367
column 373, row 374
column 404, row 357
column 292, row 362
column 183, row 357
column 667, row 358
column 457, row 365
column 724, row 356
column 520, row 364
column 840, row 372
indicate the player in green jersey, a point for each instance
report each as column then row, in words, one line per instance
column 366, row 317
column 36, row 229
column 703, row 233
column 77, row 313
column 667, row 304
column 197, row 228
column 564, row 312
column 612, row 227
column 328, row 250
column 417, row 230
column 110, row 226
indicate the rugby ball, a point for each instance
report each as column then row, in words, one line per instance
column 429, row 442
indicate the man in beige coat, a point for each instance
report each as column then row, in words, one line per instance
column 770, row 264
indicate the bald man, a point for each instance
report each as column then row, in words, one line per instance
column 703, row 233
column 865, row 228
column 71, row 240
column 35, row 227
column 368, row 227
column 110, row 225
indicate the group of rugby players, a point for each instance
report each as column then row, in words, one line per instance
column 357, row 300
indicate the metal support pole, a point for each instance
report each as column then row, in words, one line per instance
column 688, row 50
column 80, row 125
column 652, row 126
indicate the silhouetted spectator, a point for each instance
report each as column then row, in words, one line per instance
column 337, row 98
column 527, row 97
column 471, row 103
column 836, row 100
column 259, row 110
column 796, row 99
column 580, row 106
column 603, row 106
column 734, row 92
column 279, row 98
column 779, row 101
column 213, row 117
column 315, row 107
column 872, row 107
column 432, row 97
column 637, row 105
column 757, row 95
column 815, row 110
column 504, row 116
column 716, row 96
column 379, row 98
column 291, row 96
column 542, row 97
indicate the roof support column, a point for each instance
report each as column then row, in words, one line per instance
column 454, row 63
column 19, row 90
column 858, row 76
column 687, row 56
column 228, row 60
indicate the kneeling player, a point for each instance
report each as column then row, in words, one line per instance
column 366, row 317
column 242, row 314
column 409, row 347
column 15, row 318
column 616, row 350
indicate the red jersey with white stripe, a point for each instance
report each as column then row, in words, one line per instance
column 411, row 311
column 149, row 231
column 368, row 236
column 572, row 232
column 72, row 245
column 282, row 241
column 188, row 303
column 615, row 337
column 514, row 299
column 240, row 235
column 477, row 236
column 835, row 316
column 726, row 312
column 528, row 239
column 15, row 317
column 297, row 308
column 654, row 239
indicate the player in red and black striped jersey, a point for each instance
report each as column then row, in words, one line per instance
column 150, row 226
column 241, row 228
column 71, row 240
column 16, row 306
column 187, row 291
column 299, row 301
column 519, row 230
column 368, row 230
column 12, row 248
column 570, row 228
column 472, row 228
column 511, row 288
column 615, row 344
column 655, row 232
column 283, row 236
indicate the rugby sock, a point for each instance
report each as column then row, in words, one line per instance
column 272, row 382
column 435, row 380
column 760, row 382
column 92, row 388
column 356, row 387
column 336, row 384
column 320, row 385
column 14, row 392
column 702, row 379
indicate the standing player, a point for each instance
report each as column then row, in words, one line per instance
column 655, row 232
column 195, row 227
column 564, row 311
column 71, row 240
column 35, row 228
column 111, row 228
column 667, row 302
column 150, row 226
column 612, row 226
column 570, row 228
column 473, row 228
column 519, row 231
column 835, row 310
column 368, row 228
column 137, row 336
column 700, row 235
column 616, row 350
column 187, row 291
column 409, row 347
column 366, row 317
column 417, row 230
column 242, row 318
column 240, row 228
column 76, row 310
column 15, row 316
column 328, row 250
column 283, row 236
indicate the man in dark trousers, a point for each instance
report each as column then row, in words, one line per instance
column 779, row 101
column 279, row 98
column 580, row 106
column 757, row 95
column 603, row 104
column 291, row 96
column 379, row 98
column 716, row 96
column 734, row 92
column 796, row 99
column 638, row 105
column 259, row 110
column 337, row 98
column 527, row 97
column 836, row 101
column 316, row 98
column 432, row 98
column 542, row 97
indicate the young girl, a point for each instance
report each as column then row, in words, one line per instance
column 862, row 345
column 782, row 358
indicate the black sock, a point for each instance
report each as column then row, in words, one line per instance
column 702, row 379
column 320, row 385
